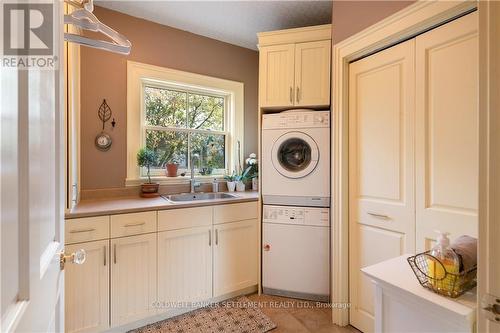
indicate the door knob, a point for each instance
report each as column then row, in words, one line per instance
column 78, row 257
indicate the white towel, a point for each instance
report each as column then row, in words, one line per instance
column 466, row 248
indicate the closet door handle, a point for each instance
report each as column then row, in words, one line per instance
column 291, row 94
column 298, row 95
column 104, row 250
column 114, row 253
column 216, row 237
column 209, row 237
column 380, row 216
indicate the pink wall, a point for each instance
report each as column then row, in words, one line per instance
column 104, row 75
column 350, row 17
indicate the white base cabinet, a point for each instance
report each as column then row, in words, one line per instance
column 184, row 267
column 159, row 263
column 133, row 278
column 87, row 289
column 235, row 256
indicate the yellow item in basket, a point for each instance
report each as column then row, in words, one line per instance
column 444, row 260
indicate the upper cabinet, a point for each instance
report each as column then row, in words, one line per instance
column 295, row 67
column 276, row 75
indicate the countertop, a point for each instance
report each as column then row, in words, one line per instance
column 121, row 205
column 397, row 273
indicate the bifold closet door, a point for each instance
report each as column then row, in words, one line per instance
column 447, row 130
column 381, row 168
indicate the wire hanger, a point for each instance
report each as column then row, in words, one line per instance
column 83, row 18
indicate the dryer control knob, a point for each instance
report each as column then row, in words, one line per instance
column 320, row 119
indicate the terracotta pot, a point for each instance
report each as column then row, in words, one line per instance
column 150, row 190
column 172, row 169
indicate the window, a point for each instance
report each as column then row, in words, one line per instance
column 182, row 124
column 183, row 117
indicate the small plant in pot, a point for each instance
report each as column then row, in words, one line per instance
column 172, row 167
column 145, row 159
column 231, row 181
column 241, row 178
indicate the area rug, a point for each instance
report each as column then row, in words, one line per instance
column 237, row 315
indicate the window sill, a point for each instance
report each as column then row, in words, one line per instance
column 174, row 180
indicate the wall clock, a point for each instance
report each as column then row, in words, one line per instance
column 103, row 141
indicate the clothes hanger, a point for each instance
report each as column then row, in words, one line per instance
column 85, row 19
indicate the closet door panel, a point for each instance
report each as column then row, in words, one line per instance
column 381, row 166
column 447, row 130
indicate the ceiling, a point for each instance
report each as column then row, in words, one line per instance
column 235, row 22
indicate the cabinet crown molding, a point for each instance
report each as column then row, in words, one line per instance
column 295, row 35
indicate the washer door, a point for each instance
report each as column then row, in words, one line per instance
column 295, row 155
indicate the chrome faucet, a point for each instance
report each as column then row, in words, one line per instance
column 193, row 182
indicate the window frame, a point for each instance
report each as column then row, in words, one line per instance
column 140, row 75
column 146, row 82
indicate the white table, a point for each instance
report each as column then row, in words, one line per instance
column 403, row 305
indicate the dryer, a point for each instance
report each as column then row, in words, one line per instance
column 296, row 158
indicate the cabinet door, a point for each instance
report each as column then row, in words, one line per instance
column 185, row 265
column 87, row 289
column 276, row 75
column 133, row 278
column 235, row 256
column 381, row 168
column 312, row 73
column 447, row 131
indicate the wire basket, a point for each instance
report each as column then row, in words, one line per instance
column 433, row 275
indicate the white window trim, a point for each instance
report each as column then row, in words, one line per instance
column 138, row 74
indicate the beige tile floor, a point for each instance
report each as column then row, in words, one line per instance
column 295, row 316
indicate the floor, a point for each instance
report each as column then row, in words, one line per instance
column 295, row 316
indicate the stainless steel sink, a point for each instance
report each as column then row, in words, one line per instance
column 198, row 196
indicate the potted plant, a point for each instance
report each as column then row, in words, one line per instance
column 241, row 178
column 172, row 167
column 145, row 159
column 230, row 181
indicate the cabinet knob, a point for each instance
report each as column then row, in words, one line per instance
column 267, row 247
column 78, row 257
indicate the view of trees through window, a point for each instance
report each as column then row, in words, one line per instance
column 179, row 124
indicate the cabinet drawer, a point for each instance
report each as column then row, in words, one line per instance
column 86, row 229
column 184, row 218
column 235, row 212
column 133, row 224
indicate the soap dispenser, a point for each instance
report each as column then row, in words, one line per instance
column 446, row 261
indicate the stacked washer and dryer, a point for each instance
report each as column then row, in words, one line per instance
column 296, row 199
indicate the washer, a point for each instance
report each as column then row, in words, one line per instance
column 296, row 158
column 296, row 252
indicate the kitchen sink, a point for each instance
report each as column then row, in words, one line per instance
column 198, row 196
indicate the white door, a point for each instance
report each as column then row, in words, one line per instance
column 447, row 137
column 276, row 75
column 32, row 196
column 312, row 73
column 185, row 265
column 489, row 173
column 235, row 256
column 87, row 289
column 133, row 278
column 381, row 168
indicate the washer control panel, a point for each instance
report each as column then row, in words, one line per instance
column 302, row 119
column 296, row 215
